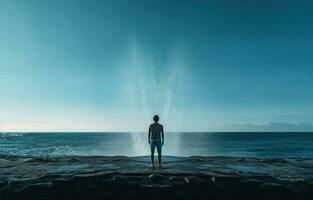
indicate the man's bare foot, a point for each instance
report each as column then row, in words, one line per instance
column 152, row 165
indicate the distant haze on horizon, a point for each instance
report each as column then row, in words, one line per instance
column 80, row 65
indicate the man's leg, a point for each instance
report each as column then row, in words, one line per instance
column 152, row 159
column 160, row 159
column 152, row 153
column 159, row 148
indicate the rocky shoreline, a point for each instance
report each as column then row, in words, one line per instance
column 122, row 177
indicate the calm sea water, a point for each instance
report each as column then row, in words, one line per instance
column 177, row 144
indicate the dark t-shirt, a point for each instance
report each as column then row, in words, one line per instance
column 156, row 130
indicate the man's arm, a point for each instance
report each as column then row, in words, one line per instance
column 149, row 135
column 162, row 132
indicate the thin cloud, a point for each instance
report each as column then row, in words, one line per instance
column 275, row 126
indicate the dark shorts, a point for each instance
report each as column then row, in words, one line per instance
column 156, row 143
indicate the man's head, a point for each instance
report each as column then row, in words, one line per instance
column 156, row 118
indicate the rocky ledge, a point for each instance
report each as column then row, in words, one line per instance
column 131, row 178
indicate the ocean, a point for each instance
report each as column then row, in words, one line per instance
column 239, row 144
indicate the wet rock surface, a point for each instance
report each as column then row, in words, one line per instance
column 131, row 178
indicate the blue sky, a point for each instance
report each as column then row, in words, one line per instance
column 201, row 65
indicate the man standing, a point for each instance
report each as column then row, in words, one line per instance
column 156, row 139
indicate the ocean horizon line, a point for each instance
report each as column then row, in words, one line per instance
column 4, row 132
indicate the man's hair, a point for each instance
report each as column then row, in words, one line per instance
column 156, row 118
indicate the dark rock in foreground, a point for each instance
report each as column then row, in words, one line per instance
column 131, row 178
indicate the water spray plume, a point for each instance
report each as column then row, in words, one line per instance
column 157, row 90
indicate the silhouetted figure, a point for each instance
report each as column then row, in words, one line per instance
column 156, row 139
